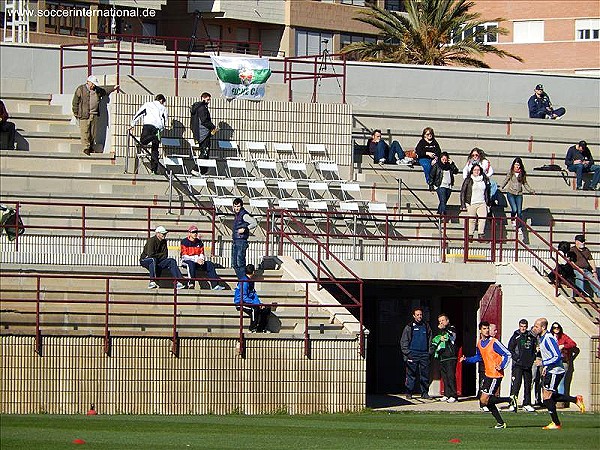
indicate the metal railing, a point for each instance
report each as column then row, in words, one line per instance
column 179, row 59
column 315, row 68
column 291, row 227
column 277, row 221
column 115, row 304
column 83, row 213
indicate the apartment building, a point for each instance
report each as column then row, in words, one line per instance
column 66, row 22
column 550, row 35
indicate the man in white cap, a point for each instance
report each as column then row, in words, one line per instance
column 156, row 256
column 86, row 101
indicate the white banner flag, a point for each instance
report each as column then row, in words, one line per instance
column 242, row 77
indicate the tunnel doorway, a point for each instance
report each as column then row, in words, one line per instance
column 388, row 307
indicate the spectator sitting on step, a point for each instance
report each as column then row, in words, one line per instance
column 156, row 256
column 540, row 106
column 245, row 296
column 8, row 130
column 565, row 270
column 155, row 116
column 428, row 151
column 192, row 255
column 579, row 160
column 86, row 101
column 585, row 261
column 384, row 153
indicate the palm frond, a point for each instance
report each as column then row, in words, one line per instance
column 423, row 34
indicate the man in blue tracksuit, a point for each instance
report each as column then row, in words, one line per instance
column 245, row 296
column 415, row 342
column 242, row 224
column 553, row 372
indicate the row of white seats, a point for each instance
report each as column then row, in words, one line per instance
column 283, row 151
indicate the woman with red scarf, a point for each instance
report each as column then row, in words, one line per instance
column 568, row 349
column 515, row 181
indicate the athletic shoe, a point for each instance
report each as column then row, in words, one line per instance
column 152, row 285
column 218, row 287
column 425, row 396
column 528, row 408
column 190, row 285
column 381, row 162
column 180, row 286
column 452, row 400
column 513, row 403
column 580, row 403
column 499, row 426
column 552, row 426
column 444, row 399
column 511, row 408
column 485, row 409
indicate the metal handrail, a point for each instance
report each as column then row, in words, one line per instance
column 84, row 228
column 107, row 298
column 318, row 262
column 554, row 250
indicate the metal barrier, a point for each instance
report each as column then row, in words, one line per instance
column 110, row 297
column 321, row 66
column 84, row 229
column 319, row 262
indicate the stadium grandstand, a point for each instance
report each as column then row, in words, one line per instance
column 345, row 247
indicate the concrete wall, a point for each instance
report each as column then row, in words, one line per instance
column 272, row 11
column 370, row 86
column 141, row 376
column 526, row 295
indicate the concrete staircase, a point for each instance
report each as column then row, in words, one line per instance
column 76, row 304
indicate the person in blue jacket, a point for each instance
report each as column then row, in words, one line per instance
column 540, row 106
column 245, row 297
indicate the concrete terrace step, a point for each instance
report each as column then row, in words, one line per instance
column 17, row 160
column 88, row 183
column 21, row 102
column 517, row 145
column 416, row 121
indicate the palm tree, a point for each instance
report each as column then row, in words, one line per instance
column 429, row 33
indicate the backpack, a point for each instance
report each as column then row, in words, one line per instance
column 8, row 223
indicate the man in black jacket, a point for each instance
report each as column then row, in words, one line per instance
column 415, row 342
column 522, row 346
column 202, row 126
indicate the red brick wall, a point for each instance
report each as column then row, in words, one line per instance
column 560, row 51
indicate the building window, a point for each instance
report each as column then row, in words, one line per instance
column 529, row 31
column 346, row 39
column 312, row 42
column 76, row 23
column 490, row 37
column 394, row 5
column 353, row 2
column 587, row 29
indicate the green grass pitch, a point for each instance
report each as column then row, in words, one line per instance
column 366, row 430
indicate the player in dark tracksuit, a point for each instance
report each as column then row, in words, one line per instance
column 415, row 342
column 522, row 347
